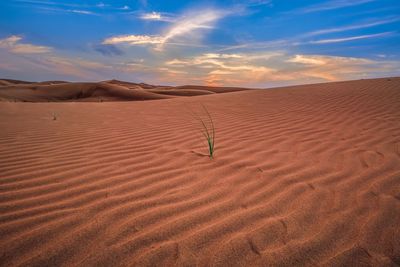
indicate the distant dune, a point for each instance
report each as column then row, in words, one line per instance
column 114, row 90
column 302, row 176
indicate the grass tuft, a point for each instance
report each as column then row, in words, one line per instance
column 208, row 132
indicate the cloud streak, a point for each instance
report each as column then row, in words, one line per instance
column 157, row 16
column 134, row 40
column 304, row 39
column 84, row 12
column 192, row 23
column 353, row 27
column 352, row 38
column 151, row 16
column 73, row 8
column 188, row 27
column 99, row 5
column 331, row 5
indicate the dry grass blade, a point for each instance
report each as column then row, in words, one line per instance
column 208, row 131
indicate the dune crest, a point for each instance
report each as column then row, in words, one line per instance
column 306, row 175
column 113, row 90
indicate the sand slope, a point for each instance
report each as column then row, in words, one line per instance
column 113, row 90
column 302, row 176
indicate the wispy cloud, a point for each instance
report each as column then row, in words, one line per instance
column 66, row 11
column 352, row 38
column 354, row 26
column 85, row 12
column 330, row 5
column 190, row 26
column 279, row 43
column 157, row 16
column 333, row 68
column 318, row 60
column 78, row 8
column 187, row 27
column 255, row 3
column 134, row 40
column 216, row 55
column 151, row 16
column 57, row 3
column 307, row 60
column 304, row 38
column 14, row 45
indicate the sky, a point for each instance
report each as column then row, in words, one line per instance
column 250, row 43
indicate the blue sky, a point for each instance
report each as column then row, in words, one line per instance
column 254, row 43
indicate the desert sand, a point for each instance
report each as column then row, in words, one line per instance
column 302, row 176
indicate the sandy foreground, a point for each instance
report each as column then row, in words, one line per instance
column 302, row 176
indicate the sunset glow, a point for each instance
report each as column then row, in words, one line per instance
column 254, row 43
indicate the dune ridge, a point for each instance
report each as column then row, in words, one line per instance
column 113, row 90
column 302, row 176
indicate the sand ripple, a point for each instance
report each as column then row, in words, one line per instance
column 302, row 176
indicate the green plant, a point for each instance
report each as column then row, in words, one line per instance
column 208, row 132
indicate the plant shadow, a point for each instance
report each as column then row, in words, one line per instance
column 200, row 154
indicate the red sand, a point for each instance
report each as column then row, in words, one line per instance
column 302, row 176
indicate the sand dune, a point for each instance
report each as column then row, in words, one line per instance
column 302, row 176
column 113, row 90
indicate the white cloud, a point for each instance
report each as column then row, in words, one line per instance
column 187, row 28
column 331, row 5
column 213, row 55
column 158, row 16
column 10, row 41
column 192, row 23
column 172, row 71
column 308, row 60
column 352, row 38
column 319, row 60
column 13, row 44
column 353, row 27
column 176, row 62
column 252, row 3
column 151, row 16
column 84, row 12
column 134, row 39
column 62, row 10
column 333, row 68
